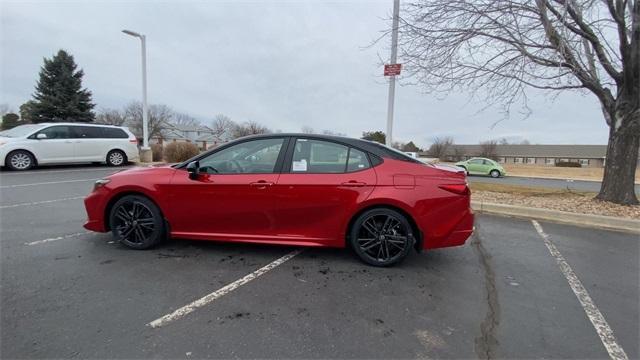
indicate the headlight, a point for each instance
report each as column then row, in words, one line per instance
column 100, row 183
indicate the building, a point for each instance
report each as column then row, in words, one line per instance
column 549, row 155
column 203, row 136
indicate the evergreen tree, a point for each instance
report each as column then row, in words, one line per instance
column 59, row 95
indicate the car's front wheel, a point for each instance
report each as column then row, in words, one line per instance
column 20, row 160
column 381, row 237
column 137, row 222
column 494, row 173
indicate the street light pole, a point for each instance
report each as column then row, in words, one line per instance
column 392, row 80
column 145, row 112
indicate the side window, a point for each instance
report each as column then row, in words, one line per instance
column 320, row 157
column 249, row 157
column 114, row 133
column 475, row 161
column 86, row 132
column 358, row 160
column 56, row 132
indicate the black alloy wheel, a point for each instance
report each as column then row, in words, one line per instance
column 382, row 237
column 137, row 222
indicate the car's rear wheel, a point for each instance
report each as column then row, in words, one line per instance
column 116, row 158
column 381, row 237
column 137, row 222
column 494, row 173
column 20, row 160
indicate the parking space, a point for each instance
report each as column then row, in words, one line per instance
column 68, row 293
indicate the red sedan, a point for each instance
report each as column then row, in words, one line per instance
column 290, row 189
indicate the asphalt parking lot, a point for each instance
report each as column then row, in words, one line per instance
column 508, row 293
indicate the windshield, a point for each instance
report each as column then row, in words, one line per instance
column 20, row 131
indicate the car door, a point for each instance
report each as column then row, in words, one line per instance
column 90, row 144
column 475, row 166
column 321, row 185
column 232, row 197
column 53, row 144
column 487, row 166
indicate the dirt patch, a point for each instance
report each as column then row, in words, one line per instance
column 582, row 203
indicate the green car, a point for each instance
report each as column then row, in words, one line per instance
column 482, row 166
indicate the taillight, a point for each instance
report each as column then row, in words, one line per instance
column 460, row 189
column 135, row 141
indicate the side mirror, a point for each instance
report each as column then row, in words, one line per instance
column 41, row 136
column 193, row 168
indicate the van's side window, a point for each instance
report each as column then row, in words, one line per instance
column 56, row 132
column 86, row 132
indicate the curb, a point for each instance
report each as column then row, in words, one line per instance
column 542, row 177
column 563, row 217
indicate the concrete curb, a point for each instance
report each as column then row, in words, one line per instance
column 542, row 177
column 563, row 217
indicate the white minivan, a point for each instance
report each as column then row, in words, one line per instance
column 26, row 146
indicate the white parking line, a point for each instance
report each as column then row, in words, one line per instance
column 593, row 313
column 187, row 309
column 45, row 183
column 65, row 171
column 39, row 202
column 38, row 242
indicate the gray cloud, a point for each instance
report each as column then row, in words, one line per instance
column 284, row 64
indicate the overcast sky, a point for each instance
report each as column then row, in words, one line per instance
column 285, row 64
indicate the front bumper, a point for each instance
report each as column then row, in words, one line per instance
column 94, row 204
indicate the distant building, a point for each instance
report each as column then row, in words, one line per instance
column 585, row 155
column 203, row 136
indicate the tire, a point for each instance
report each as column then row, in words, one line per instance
column 381, row 237
column 20, row 160
column 137, row 222
column 116, row 158
column 494, row 173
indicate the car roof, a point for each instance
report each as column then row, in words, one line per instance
column 80, row 124
column 366, row 145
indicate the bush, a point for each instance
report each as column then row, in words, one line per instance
column 568, row 164
column 156, row 152
column 180, row 151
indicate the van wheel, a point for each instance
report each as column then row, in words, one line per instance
column 20, row 160
column 116, row 158
column 381, row 237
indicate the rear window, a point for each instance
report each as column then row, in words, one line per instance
column 114, row 133
column 394, row 154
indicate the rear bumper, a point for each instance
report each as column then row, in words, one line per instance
column 457, row 236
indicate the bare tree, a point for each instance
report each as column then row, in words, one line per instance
column 5, row 109
column 249, row 128
column 333, row 133
column 308, row 130
column 159, row 117
column 110, row 117
column 223, row 127
column 440, row 147
column 489, row 149
column 184, row 119
column 506, row 47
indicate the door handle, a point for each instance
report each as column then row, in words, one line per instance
column 69, row 142
column 354, row 183
column 262, row 184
